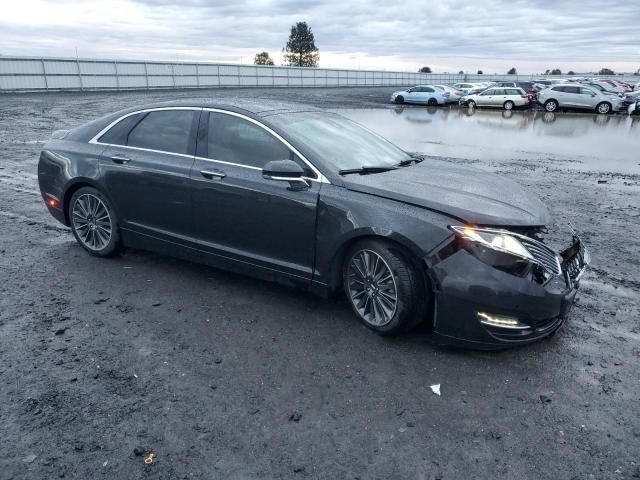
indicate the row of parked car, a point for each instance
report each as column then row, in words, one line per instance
column 601, row 95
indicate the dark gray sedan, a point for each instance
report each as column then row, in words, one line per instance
column 312, row 199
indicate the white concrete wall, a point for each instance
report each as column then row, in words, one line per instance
column 36, row 74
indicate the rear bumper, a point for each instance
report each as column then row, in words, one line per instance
column 466, row 286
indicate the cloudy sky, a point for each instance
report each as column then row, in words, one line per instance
column 448, row 35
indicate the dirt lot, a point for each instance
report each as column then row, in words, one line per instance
column 227, row 377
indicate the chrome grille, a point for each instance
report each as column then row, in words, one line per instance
column 575, row 265
column 542, row 255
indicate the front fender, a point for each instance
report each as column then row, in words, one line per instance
column 345, row 216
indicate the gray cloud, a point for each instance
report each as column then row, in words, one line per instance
column 439, row 33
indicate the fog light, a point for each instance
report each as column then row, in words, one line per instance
column 502, row 321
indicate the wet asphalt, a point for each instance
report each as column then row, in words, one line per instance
column 222, row 376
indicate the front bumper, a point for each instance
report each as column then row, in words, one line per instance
column 466, row 286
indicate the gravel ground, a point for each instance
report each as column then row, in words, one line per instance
column 223, row 376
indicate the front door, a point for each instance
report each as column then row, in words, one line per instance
column 239, row 214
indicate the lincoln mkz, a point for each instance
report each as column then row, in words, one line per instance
column 312, row 199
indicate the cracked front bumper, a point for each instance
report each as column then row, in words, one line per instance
column 466, row 286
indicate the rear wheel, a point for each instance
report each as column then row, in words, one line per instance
column 383, row 286
column 603, row 107
column 550, row 105
column 94, row 222
column 471, row 104
column 508, row 105
column 432, row 102
column 399, row 100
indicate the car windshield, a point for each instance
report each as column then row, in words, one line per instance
column 339, row 141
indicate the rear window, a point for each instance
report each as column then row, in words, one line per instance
column 166, row 131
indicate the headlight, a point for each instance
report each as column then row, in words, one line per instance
column 495, row 240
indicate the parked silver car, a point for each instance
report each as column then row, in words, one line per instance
column 578, row 96
column 454, row 94
column 421, row 94
column 507, row 98
column 469, row 88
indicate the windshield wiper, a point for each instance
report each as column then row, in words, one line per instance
column 409, row 161
column 365, row 170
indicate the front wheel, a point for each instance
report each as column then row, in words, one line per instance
column 471, row 104
column 551, row 105
column 399, row 100
column 385, row 290
column 508, row 105
column 603, row 108
column 432, row 102
column 94, row 222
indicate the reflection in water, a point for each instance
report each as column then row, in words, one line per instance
column 571, row 140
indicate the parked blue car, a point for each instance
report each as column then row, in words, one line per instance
column 421, row 94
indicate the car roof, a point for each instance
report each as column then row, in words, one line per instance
column 250, row 108
column 257, row 107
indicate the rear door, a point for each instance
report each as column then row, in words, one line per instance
column 239, row 214
column 146, row 170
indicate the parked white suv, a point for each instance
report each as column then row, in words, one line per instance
column 571, row 95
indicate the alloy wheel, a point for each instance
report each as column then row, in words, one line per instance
column 372, row 288
column 92, row 222
column 508, row 105
column 603, row 108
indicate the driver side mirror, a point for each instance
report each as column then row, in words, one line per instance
column 286, row 171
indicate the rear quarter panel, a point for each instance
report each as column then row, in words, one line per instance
column 64, row 164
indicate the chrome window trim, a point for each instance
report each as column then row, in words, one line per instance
column 321, row 178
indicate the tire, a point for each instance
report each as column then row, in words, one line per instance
column 371, row 299
column 508, row 105
column 550, row 105
column 399, row 100
column 94, row 222
column 604, row 108
column 471, row 104
column 432, row 102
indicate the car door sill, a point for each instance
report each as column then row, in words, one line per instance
column 201, row 249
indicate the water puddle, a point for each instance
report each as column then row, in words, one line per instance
column 605, row 143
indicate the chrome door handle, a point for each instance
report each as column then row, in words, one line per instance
column 212, row 174
column 120, row 159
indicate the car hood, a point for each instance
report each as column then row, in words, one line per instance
column 468, row 194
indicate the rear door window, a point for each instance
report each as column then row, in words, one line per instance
column 166, row 131
column 117, row 135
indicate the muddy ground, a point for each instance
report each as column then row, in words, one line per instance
column 227, row 377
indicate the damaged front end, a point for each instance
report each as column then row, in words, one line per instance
column 496, row 287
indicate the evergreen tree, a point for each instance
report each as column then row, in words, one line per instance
column 301, row 50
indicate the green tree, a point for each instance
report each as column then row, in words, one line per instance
column 480, row 72
column 547, row 71
column 512, row 71
column 571, row 72
column 301, row 50
column 461, row 72
column 606, row 71
column 263, row 58
column 556, row 71
column 425, row 70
